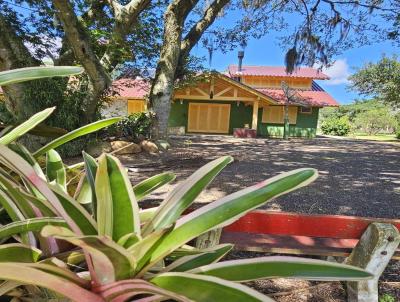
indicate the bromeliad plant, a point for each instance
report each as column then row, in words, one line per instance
column 128, row 253
column 96, row 244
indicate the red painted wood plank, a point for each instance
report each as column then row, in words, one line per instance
column 283, row 223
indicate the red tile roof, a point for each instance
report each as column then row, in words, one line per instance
column 131, row 88
column 277, row 71
column 309, row 97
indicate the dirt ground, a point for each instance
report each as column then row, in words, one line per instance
column 355, row 178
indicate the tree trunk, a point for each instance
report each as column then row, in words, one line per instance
column 163, row 84
column 79, row 40
column 14, row 54
column 174, row 54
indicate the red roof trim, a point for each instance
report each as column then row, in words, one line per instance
column 277, row 71
column 131, row 88
column 312, row 98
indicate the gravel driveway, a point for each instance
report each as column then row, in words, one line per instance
column 356, row 177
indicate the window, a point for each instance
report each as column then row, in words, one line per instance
column 306, row 110
column 276, row 115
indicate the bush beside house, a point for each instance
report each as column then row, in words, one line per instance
column 336, row 126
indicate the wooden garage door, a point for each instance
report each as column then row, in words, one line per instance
column 209, row 118
column 135, row 106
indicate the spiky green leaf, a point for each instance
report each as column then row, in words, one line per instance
column 76, row 213
column 184, row 194
column 282, row 267
column 84, row 130
column 32, row 73
column 118, row 212
column 30, row 225
column 202, row 288
column 207, row 256
column 55, row 169
column 15, row 252
column 229, row 208
column 151, row 184
column 26, row 126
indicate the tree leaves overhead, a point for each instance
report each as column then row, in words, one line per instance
column 380, row 80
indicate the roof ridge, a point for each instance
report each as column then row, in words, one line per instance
column 280, row 66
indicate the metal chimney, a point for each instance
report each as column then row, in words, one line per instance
column 240, row 57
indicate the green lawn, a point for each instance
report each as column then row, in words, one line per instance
column 377, row 137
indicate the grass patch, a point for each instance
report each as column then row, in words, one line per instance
column 377, row 137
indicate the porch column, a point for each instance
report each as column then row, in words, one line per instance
column 255, row 115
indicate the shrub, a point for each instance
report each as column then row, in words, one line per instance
column 136, row 126
column 336, row 126
column 387, row 298
column 398, row 133
column 124, row 252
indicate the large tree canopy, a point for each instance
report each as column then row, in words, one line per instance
column 99, row 35
column 108, row 37
column 380, row 80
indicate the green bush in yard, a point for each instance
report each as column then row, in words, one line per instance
column 398, row 132
column 136, row 126
column 118, row 252
column 336, row 126
column 387, row 298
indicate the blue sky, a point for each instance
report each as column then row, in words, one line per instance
column 266, row 51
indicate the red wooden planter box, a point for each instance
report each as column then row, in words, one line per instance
column 292, row 233
column 244, row 133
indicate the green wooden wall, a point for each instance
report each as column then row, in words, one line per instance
column 306, row 125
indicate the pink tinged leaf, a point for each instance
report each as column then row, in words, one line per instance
column 28, row 275
column 111, row 262
column 16, row 163
column 154, row 298
column 61, row 272
column 7, row 286
column 76, row 212
column 130, row 288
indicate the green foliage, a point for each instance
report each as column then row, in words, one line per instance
column 135, row 126
column 380, row 80
column 387, row 298
column 375, row 121
column 366, row 116
column 336, row 126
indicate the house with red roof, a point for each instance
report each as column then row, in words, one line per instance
column 244, row 99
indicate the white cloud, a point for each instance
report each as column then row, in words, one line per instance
column 338, row 72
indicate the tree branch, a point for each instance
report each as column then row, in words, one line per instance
column 95, row 9
column 197, row 30
column 357, row 3
column 125, row 18
column 79, row 41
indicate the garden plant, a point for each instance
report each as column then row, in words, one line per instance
column 94, row 242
